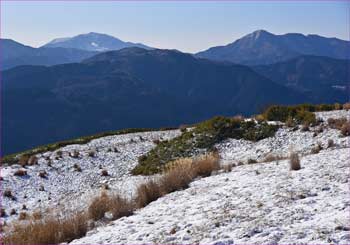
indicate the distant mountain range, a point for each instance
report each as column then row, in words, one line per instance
column 93, row 42
column 72, row 87
column 262, row 47
column 16, row 54
column 131, row 87
column 61, row 50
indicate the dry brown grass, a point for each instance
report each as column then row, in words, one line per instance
column 23, row 160
column 294, row 161
column 37, row 215
column 336, row 123
column 205, row 165
column 120, row 207
column 148, row 192
column 345, row 129
column 346, row 106
column 23, row 216
column 177, row 175
column 20, row 172
column 32, row 160
column 338, row 106
column 55, row 229
column 52, row 230
column 272, row 158
column 98, row 207
column 113, row 203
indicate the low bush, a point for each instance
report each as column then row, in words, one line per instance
column 345, row 129
column 32, row 160
column 77, row 167
column 346, row 106
column 305, row 127
column 59, row 154
column 317, row 148
column 74, row 154
column 294, row 161
column 2, row 212
column 203, row 137
column 8, row 193
column 23, row 159
column 331, row 143
column 42, row 174
column 293, row 114
column 104, row 172
column 20, row 172
column 92, row 153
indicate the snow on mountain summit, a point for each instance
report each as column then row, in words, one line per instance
column 93, row 42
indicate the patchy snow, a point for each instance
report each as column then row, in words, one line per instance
column 255, row 203
column 94, row 44
column 284, row 141
column 259, row 203
column 333, row 114
column 65, row 187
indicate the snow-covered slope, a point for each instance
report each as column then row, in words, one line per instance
column 260, row 203
column 65, row 187
column 255, row 203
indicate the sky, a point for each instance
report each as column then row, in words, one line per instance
column 190, row 26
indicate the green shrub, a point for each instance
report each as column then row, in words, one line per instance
column 298, row 114
column 203, row 137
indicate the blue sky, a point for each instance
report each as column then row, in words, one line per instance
column 186, row 26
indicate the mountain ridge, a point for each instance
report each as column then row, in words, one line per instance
column 132, row 88
column 16, row 54
column 262, row 47
column 93, row 41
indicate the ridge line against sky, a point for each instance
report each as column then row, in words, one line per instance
column 186, row 26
